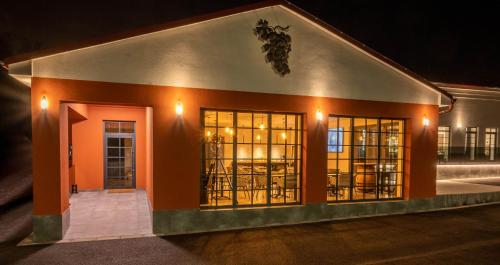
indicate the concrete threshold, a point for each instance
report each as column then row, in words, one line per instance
column 28, row 241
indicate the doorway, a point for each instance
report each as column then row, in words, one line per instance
column 119, row 155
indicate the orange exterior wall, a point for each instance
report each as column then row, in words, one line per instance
column 149, row 154
column 177, row 140
column 88, row 145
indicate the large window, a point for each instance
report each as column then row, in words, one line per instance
column 443, row 143
column 365, row 158
column 471, row 142
column 250, row 159
column 490, row 143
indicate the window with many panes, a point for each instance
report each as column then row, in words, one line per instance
column 443, row 143
column 365, row 158
column 471, row 142
column 250, row 159
column 490, row 143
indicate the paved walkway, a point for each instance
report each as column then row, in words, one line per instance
column 470, row 185
column 102, row 215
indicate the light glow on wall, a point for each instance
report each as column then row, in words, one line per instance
column 44, row 103
column 471, row 165
column 425, row 121
column 319, row 115
column 179, row 109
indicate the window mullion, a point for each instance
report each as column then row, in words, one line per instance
column 235, row 164
column 379, row 179
column 269, row 149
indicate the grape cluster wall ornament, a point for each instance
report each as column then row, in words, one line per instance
column 277, row 45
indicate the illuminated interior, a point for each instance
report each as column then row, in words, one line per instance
column 250, row 159
column 365, row 158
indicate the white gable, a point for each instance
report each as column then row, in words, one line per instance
column 224, row 54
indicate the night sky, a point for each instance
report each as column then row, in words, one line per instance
column 447, row 41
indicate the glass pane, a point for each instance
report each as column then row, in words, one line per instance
column 209, row 133
column 290, row 137
column 333, row 122
column 245, row 120
column 278, row 136
column 278, row 121
column 278, row 152
column 260, row 151
column 113, row 172
column 127, row 142
column 113, row 142
column 290, row 152
column 290, row 122
column 128, row 172
column 260, row 121
column 244, row 152
column 225, row 134
column 260, row 188
column 113, row 162
column 113, row 152
column 277, row 188
column 210, row 118
column 345, row 123
column 372, row 125
column 225, row 119
column 111, row 127
column 244, row 135
column 128, row 158
column 260, row 136
column 127, row 127
column 359, row 124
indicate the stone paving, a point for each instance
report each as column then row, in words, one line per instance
column 101, row 215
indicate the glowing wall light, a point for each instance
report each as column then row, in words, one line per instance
column 44, row 103
column 426, row 121
column 179, row 109
column 319, row 115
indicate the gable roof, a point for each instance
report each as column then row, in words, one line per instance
column 218, row 14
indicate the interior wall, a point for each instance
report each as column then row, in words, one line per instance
column 88, row 145
column 76, row 113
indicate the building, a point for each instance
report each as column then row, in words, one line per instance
column 192, row 113
column 468, row 135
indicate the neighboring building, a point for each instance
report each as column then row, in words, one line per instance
column 192, row 113
column 468, row 135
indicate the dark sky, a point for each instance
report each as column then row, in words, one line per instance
column 448, row 41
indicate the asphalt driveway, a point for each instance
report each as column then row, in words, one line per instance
column 463, row 236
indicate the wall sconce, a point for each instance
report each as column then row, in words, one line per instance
column 459, row 125
column 179, row 108
column 319, row 115
column 44, row 103
column 426, row 121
